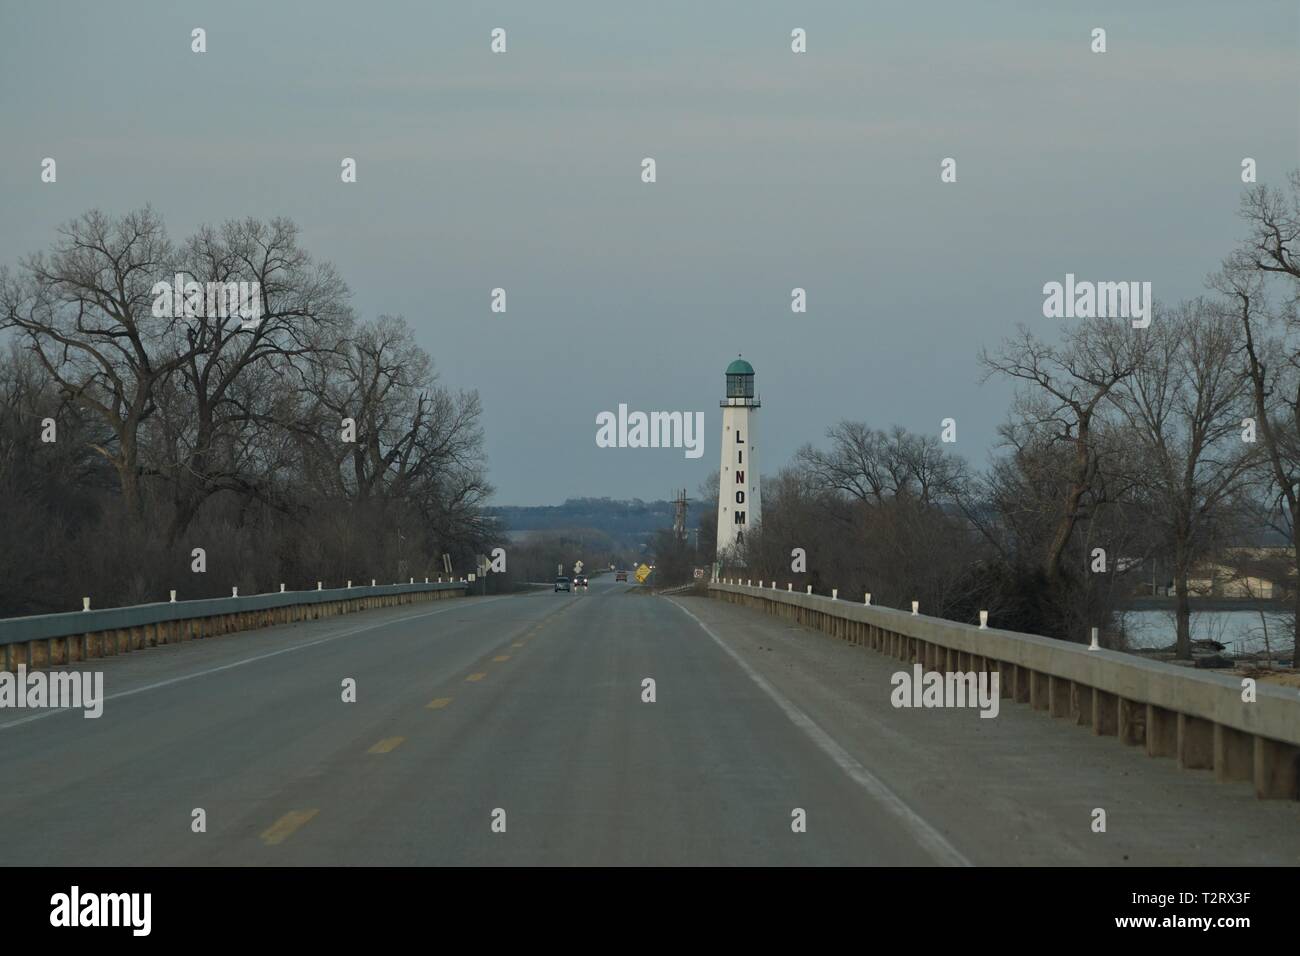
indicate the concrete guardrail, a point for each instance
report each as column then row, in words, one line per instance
column 50, row 640
column 1171, row 711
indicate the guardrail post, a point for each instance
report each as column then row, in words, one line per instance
column 1105, row 713
column 85, row 604
column 1276, row 769
column 1162, row 732
column 984, row 620
column 916, row 607
column 1080, row 704
column 1132, row 722
column 1195, row 743
column 1234, row 754
column 835, row 594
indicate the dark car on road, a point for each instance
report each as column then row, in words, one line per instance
column 620, row 576
column 563, row 584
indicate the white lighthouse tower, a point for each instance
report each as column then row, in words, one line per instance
column 740, row 503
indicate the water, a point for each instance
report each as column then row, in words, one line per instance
column 1240, row 632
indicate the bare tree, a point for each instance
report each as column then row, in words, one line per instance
column 236, row 370
column 86, row 312
column 1070, row 384
column 1270, row 255
column 1184, row 405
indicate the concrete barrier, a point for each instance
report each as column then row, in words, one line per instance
column 55, row 639
column 1170, row 711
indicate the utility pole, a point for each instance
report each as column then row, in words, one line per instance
column 679, row 515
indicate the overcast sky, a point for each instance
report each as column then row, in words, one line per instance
column 775, row 170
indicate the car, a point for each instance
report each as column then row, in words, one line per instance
column 580, row 582
column 620, row 576
column 563, row 584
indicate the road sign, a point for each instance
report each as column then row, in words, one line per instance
column 577, row 567
column 641, row 574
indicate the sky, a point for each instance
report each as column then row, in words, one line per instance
column 775, row 170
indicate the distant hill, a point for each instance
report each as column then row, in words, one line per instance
column 627, row 522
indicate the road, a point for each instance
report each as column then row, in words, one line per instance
column 526, row 713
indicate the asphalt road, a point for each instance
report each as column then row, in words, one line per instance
column 513, row 730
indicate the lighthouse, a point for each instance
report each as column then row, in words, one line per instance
column 739, row 500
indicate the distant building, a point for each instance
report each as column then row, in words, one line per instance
column 740, row 502
column 1260, row 572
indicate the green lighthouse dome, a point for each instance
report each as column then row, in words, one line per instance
column 740, row 367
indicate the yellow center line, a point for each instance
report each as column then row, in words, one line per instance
column 386, row 745
column 478, row 676
column 501, row 657
column 437, row 703
column 285, row 827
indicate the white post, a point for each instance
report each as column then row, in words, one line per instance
column 984, row 620
column 85, row 604
column 320, row 585
column 916, row 605
column 173, row 597
column 349, row 584
column 412, row 580
column 281, row 587
column 1094, row 646
column 426, row 580
column 234, row 592
column 749, row 582
column 810, row 589
column 867, row 599
column 372, row 582
column 789, row 587
column 835, row 594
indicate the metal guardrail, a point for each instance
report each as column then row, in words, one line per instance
column 18, row 630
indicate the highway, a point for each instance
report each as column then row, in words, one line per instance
column 513, row 731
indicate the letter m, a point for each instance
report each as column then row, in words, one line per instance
column 1115, row 297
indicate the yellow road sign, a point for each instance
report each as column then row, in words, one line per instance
column 642, row 573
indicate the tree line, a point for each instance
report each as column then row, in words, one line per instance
column 146, row 445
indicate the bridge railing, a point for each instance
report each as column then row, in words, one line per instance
column 1204, row 720
column 55, row 639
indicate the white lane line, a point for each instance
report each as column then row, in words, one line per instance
column 931, row 839
column 247, row 660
